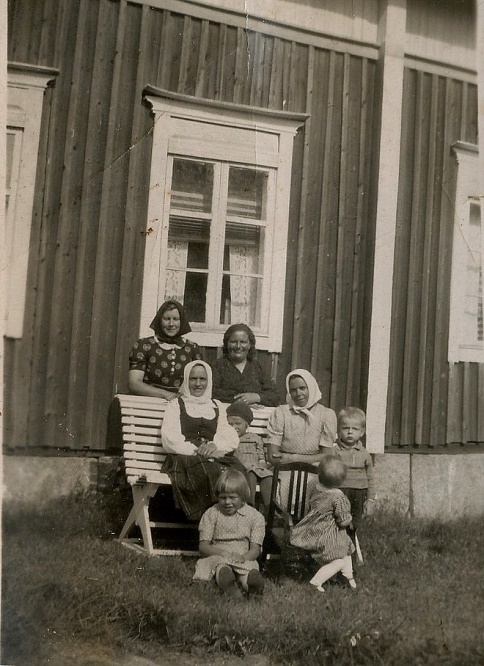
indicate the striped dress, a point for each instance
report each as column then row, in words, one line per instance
column 319, row 530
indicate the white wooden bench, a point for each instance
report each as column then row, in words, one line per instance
column 141, row 419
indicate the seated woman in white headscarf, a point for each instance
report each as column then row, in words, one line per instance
column 200, row 442
column 303, row 430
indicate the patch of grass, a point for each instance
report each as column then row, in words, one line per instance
column 67, row 580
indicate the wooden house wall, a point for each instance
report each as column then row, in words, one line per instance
column 431, row 402
column 87, row 248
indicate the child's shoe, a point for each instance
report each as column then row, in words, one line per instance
column 349, row 582
column 255, row 582
column 226, row 581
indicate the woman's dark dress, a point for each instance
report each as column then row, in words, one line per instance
column 193, row 478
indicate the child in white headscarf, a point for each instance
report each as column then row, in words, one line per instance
column 196, row 433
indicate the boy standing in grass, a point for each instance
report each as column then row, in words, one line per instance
column 358, row 485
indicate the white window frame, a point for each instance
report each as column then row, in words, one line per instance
column 468, row 192
column 247, row 137
column 26, row 86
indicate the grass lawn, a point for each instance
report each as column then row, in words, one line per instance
column 67, row 581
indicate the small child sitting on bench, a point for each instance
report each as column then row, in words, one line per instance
column 250, row 451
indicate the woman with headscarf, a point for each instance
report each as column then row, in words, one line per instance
column 156, row 363
column 200, row 442
column 303, row 430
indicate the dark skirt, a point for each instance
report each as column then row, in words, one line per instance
column 193, row 480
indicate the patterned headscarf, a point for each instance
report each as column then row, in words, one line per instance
column 314, row 392
column 184, row 323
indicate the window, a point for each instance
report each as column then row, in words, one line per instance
column 26, row 87
column 466, row 341
column 218, row 215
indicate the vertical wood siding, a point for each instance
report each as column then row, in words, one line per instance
column 431, row 402
column 87, row 249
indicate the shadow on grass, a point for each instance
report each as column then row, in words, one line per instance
column 66, row 578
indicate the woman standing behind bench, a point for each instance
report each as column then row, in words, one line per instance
column 238, row 375
column 156, row 363
column 200, row 442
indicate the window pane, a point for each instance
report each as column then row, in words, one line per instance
column 247, row 193
column 188, row 245
column 241, row 300
column 242, row 280
column 473, row 320
column 10, row 153
column 192, row 185
column 194, row 236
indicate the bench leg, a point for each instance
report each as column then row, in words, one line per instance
column 139, row 514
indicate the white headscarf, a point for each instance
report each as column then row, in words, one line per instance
column 185, row 387
column 314, row 392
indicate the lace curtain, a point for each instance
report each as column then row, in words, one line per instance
column 175, row 275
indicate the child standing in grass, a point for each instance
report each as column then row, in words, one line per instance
column 231, row 536
column 250, row 451
column 323, row 531
column 358, row 485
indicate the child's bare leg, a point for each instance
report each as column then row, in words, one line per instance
column 347, row 570
column 326, row 572
column 265, row 485
column 253, row 486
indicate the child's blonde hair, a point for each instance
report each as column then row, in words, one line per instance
column 352, row 413
column 332, row 471
column 233, row 482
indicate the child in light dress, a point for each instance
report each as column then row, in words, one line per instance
column 323, row 530
column 250, row 451
column 231, row 536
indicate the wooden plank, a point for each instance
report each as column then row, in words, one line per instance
column 142, row 448
column 439, row 383
column 136, row 460
column 146, row 439
column 313, row 170
column 240, row 65
column 185, row 53
column 337, row 374
column 353, row 382
column 275, row 99
column 400, row 270
column 202, row 57
column 422, row 421
column 222, row 45
column 163, row 77
column 410, row 366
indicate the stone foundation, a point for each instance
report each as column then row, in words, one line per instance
column 427, row 486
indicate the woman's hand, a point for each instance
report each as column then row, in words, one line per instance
column 248, row 398
column 369, row 507
column 207, row 450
